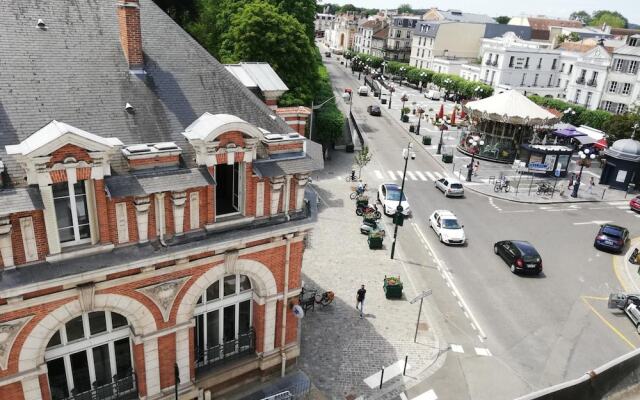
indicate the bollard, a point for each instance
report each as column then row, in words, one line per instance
column 603, row 192
column 404, row 371
column 381, row 377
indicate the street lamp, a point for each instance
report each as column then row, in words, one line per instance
column 446, row 84
column 398, row 218
column 384, row 64
column 422, row 75
column 569, row 112
column 419, row 111
column 635, row 126
column 401, row 72
column 391, row 90
column 474, row 143
column 442, row 128
column 354, row 63
column 585, row 160
column 403, row 99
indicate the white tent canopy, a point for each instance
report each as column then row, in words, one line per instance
column 510, row 107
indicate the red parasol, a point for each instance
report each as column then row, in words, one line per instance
column 463, row 114
column 601, row 144
column 441, row 112
column 453, row 117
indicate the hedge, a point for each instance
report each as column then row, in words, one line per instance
column 594, row 118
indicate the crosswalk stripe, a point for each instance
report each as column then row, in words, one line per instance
column 482, row 351
column 411, row 176
column 618, row 203
column 438, row 175
column 430, row 175
column 392, row 175
column 399, row 174
column 456, row 348
column 422, row 177
column 429, row 395
column 378, row 174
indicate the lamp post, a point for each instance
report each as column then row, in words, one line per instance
column 403, row 99
column 354, row 63
column 440, row 143
column 635, row 126
column 406, row 153
column 585, row 160
column 391, row 90
column 446, row 84
column 474, row 143
column 419, row 111
column 401, row 73
column 384, row 64
column 422, row 75
column 568, row 113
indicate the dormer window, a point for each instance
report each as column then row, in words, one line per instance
column 72, row 213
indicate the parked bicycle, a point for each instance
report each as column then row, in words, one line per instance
column 352, row 177
column 369, row 211
column 310, row 302
column 502, row 185
column 545, row 188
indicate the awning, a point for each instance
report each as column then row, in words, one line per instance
column 567, row 131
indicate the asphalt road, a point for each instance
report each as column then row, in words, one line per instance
column 539, row 330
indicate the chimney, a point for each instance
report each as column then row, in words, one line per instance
column 130, row 33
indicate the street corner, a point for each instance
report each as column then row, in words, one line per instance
column 615, row 320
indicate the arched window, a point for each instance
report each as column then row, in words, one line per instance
column 223, row 320
column 91, row 356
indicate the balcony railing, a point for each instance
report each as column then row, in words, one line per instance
column 121, row 388
column 494, row 63
column 488, row 62
column 212, row 356
column 580, row 80
column 592, row 82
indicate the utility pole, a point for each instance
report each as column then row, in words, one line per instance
column 398, row 218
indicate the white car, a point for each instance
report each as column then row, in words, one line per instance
column 389, row 196
column 363, row 90
column 445, row 224
column 450, row 187
column 432, row 94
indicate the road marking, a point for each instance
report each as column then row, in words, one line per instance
column 481, row 351
column 430, row 175
column 378, row 174
column 517, row 211
column 618, row 203
column 422, row 177
column 430, row 395
column 391, row 174
column 411, row 175
column 390, row 372
column 456, row 348
column 591, row 223
column 403, row 396
column 438, row 175
column 399, row 174
column 607, row 323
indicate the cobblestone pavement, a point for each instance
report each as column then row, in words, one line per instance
column 340, row 350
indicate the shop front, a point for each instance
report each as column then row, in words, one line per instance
column 555, row 157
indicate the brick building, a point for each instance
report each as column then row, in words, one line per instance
column 153, row 211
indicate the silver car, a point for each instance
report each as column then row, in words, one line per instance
column 450, row 187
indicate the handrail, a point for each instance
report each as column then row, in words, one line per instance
column 123, row 388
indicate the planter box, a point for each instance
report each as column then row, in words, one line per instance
column 374, row 243
column 426, row 140
column 362, row 202
column 405, row 118
column 383, row 101
column 412, row 128
column 392, row 288
column 447, row 158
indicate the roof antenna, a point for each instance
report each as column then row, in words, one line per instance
column 128, row 108
column 41, row 24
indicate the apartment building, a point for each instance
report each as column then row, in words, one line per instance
column 322, row 23
column 586, row 74
column 398, row 46
column 341, row 35
column 364, row 38
column 153, row 216
column 541, row 26
column 622, row 87
column 379, row 42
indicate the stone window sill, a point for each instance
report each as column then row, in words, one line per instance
column 79, row 251
column 223, row 224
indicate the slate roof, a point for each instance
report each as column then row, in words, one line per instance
column 311, row 161
column 494, row 30
column 459, row 16
column 75, row 72
column 430, row 30
column 20, row 199
column 149, row 182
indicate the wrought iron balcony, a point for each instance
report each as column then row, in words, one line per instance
column 494, row 63
column 593, row 82
column 213, row 356
column 121, row 388
column 580, row 80
column 488, row 62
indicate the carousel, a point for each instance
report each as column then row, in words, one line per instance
column 500, row 125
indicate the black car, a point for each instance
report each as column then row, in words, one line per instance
column 520, row 255
column 374, row 110
column 611, row 237
column 327, row 54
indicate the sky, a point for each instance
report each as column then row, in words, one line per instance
column 553, row 8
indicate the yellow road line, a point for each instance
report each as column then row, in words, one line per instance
column 613, row 328
column 595, row 298
column 616, row 267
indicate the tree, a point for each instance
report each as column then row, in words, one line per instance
column 362, row 158
column 347, row 8
column 303, row 10
column 612, row 18
column 260, row 32
column 181, row 11
column 621, row 126
column 405, row 9
column 581, row 16
column 503, row 19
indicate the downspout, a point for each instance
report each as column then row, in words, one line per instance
column 287, row 200
column 160, row 211
column 285, row 294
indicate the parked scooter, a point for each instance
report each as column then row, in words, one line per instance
column 369, row 211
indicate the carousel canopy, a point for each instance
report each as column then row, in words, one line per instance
column 510, row 107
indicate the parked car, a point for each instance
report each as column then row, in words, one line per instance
column 630, row 303
column 432, row 94
column 327, row 54
column 445, row 224
column 611, row 237
column 450, row 187
column 363, row 90
column 389, row 197
column 519, row 255
column 374, row 110
column 634, row 204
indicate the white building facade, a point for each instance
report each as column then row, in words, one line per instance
column 364, row 37
column 323, row 23
column 622, row 86
column 586, row 83
column 400, row 37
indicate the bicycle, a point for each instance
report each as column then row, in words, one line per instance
column 323, row 299
column 544, row 188
column 352, row 177
column 358, row 191
column 500, row 186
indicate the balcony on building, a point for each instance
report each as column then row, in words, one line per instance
column 580, row 80
column 592, row 83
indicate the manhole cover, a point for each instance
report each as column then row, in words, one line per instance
column 423, row 326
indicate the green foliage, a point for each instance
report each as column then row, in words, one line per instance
column 182, row 11
column 612, row 18
column 347, row 8
column 328, row 120
column 261, row 32
column 302, row 10
column 581, row 16
column 503, row 19
column 579, row 115
column 362, row 158
column 621, row 126
column 405, row 9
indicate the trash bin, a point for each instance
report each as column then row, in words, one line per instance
column 349, row 148
column 412, row 128
column 392, row 287
column 383, row 101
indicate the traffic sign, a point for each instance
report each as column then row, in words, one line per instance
column 424, row 294
column 535, row 166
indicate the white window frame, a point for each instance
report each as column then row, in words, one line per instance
column 618, row 63
column 613, row 87
column 74, row 214
column 626, row 88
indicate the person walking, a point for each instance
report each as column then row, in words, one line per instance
column 592, row 183
column 476, row 168
column 360, row 300
column 571, row 179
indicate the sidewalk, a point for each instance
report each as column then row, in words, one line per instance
column 628, row 273
column 342, row 353
column 523, row 186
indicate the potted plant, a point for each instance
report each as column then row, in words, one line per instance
column 426, row 140
column 375, row 239
column 405, row 118
column 392, row 287
column 447, row 158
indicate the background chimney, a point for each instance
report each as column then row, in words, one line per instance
column 130, row 34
